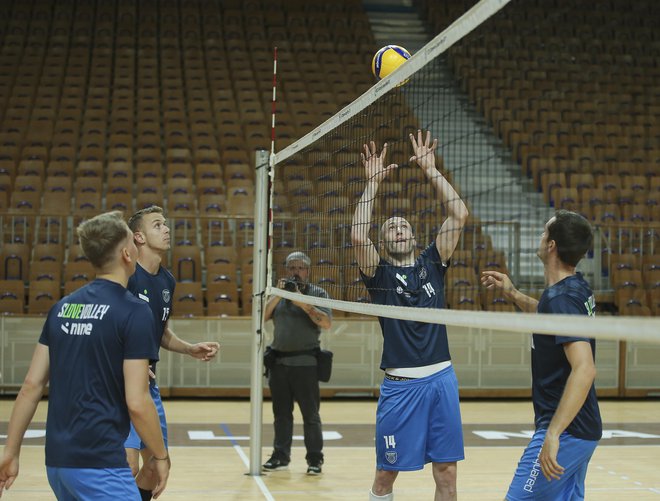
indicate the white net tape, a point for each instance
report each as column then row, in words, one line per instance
column 606, row 327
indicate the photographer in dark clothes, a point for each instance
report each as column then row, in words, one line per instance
column 293, row 375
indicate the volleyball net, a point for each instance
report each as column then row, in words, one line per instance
column 496, row 168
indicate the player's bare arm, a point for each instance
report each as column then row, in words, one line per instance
column 583, row 374
column 424, row 149
column 204, row 351
column 22, row 413
column 497, row 280
column 375, row 172
column 145, row 419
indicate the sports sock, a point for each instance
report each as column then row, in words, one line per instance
column 386, row 497
column 145, row 495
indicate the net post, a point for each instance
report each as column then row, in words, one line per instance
column 259, row 287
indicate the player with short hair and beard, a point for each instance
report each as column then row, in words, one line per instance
column 566, row 414
column 418, row 418
column 152, row 283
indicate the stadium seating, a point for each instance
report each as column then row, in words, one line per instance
column 83, row 128
column 560, row 98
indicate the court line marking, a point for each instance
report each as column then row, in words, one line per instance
column 625, row 477
column 487, row 447
column 239, row 450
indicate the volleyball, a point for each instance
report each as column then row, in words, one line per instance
column 388, row 59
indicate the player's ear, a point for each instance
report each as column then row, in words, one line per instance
column 125, row 255
column 138, row 237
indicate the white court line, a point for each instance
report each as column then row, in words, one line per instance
column 257, row 479
column 260, row 483
column 640, row 485
column 498, row 446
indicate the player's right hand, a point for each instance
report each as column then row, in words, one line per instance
column 161, row 469
column 497, row 280
column 374, row 164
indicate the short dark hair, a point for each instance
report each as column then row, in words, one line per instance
column 573, row 235
column 135, row 221
column 100, row 236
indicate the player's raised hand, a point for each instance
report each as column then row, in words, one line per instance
column 8, row 472
column 374, row 163
column 424, row 150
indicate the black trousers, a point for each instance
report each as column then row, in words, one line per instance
column 300, row 384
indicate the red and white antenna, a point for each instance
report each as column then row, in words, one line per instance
column 273, row 109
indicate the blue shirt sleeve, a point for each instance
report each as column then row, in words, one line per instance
column 374, row 281
column 139, row 335
column 566, row 305
column 44, row 338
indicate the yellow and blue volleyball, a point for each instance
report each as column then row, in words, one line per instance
column 388, row 59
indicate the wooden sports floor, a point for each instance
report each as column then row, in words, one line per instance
column 209, row 447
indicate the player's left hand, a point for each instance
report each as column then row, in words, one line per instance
column 548, row 458
column 424, row 149
column 8, row 472
column 204, row 351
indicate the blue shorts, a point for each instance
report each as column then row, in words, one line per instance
column 419, row 422
column 134, row 441
column 92, row 484
column 530, row 483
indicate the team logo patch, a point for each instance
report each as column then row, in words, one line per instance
column 423, row 273
column 399, row 289
column 166, row 295
column 390, row 456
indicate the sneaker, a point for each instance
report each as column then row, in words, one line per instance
column 314, row 469
column 275, row 464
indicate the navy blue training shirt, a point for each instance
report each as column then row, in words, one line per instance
column 157, row 291
column 407, row 343
column 550, row 367
column 89, row 334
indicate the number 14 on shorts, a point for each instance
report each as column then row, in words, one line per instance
column 390, row 443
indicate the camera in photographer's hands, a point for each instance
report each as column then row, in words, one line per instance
column 291, row 284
